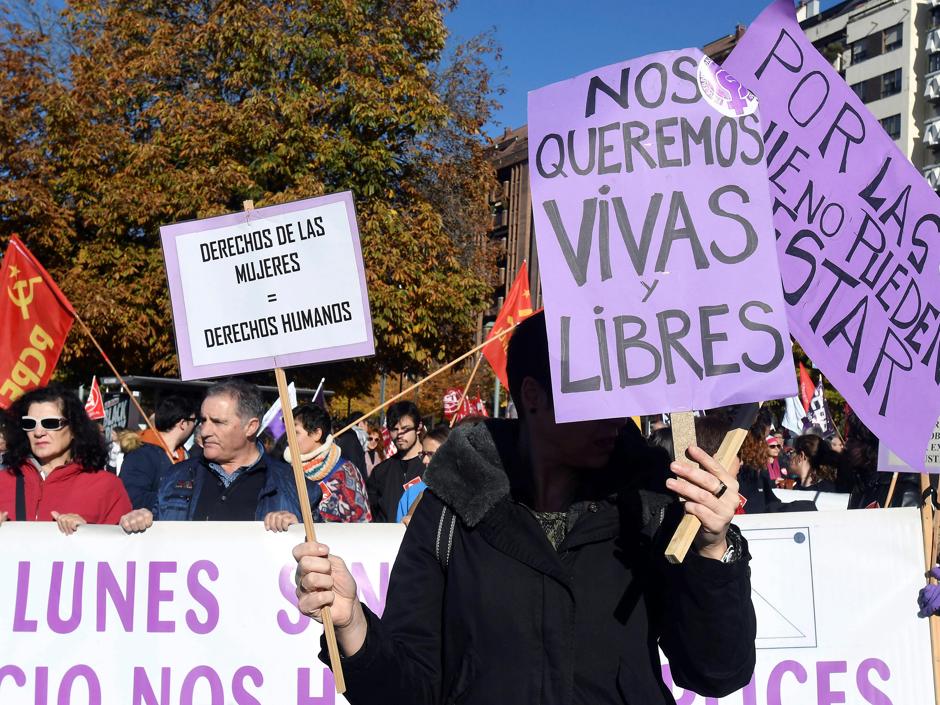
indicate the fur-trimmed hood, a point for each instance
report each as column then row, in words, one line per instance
column 468, row 472
column 479, row 466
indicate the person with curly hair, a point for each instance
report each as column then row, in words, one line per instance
column 55, row 464
column 755, row 485
column 375, row 450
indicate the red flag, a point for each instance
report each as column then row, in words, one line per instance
column 807, row 388
column 94, row 405
column 387, row 442
column 455, row 406
column 516, row 308
column 35, row 318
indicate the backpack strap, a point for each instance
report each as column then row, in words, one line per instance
column 445, row 536
column 20, row 496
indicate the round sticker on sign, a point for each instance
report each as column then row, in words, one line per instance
column 723, row 91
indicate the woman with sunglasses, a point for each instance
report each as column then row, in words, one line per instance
column 55, row 464
column 375, row 450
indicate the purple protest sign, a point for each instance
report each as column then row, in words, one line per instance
column 857, row 229
column 889, row 461
column 655, row 241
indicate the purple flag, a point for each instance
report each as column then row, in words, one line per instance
column 857, row 235
column 655, row 239
column 277, row 428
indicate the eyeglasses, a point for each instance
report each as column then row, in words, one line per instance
column 374, row 438
column 426, row 454
column 403, row 431
column 49, row 423
column 773, row 446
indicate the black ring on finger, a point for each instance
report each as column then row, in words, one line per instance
column 722, row 488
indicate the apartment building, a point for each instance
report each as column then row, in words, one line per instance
column 888, row 51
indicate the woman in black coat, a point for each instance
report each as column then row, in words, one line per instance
column 533, row 570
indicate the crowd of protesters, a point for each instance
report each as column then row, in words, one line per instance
column 209, row 462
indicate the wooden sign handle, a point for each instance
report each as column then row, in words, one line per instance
column 689, row 526
column 331, row 646
column 683, row 436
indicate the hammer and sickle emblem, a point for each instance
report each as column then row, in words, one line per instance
column 21, row 294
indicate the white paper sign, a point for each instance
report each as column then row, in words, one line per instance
column 276, row 286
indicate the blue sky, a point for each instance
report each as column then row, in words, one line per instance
column 544, row 41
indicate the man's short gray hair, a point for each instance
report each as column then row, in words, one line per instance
column 249, row 404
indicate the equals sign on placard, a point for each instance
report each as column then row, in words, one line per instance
column 272, row 298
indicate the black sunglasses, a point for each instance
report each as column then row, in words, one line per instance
column 49, row 423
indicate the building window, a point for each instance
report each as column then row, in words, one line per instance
column 935, row 18
column 859, row 52
column 891, row 83
column 892, row 126
column 859, row 89
column 893, row 38
column 933, row 63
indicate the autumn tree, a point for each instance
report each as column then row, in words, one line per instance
column 170, row 110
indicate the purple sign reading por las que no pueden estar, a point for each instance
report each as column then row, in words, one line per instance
column 858, row 235
column 653, row 224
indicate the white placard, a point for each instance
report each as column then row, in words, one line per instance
column 208, row 616
column 275, row 286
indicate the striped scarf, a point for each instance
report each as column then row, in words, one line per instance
column 320, row 462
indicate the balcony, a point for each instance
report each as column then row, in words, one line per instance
column 932, row 89
column 932, row 174
column 932, row 132
column 933, row 40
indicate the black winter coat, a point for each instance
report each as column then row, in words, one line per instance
column 386, row 485
column 512, row 620
column 757, row 487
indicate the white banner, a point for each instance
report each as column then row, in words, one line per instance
column 825, row 501
column 202, row 614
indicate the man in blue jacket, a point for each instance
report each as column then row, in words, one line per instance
column 234, row 480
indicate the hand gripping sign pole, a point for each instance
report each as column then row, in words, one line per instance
column 683, row 435
column 928, row 518
column 310, row 533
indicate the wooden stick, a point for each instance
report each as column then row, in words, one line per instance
column 927, row 517
column 453, row 419
column 689, row 526
column 431, row 376
column 891, row 488
column 683, row 436
column 120, row 379
column 335, row 664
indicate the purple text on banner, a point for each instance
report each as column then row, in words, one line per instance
column 858, row 235
column 655, row 240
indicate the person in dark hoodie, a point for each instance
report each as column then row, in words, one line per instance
column 143, row 469
column 533, row 569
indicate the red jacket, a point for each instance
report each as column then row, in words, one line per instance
column 98, row 497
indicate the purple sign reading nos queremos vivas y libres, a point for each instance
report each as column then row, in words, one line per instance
column 655, row 241
column 858, row 235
